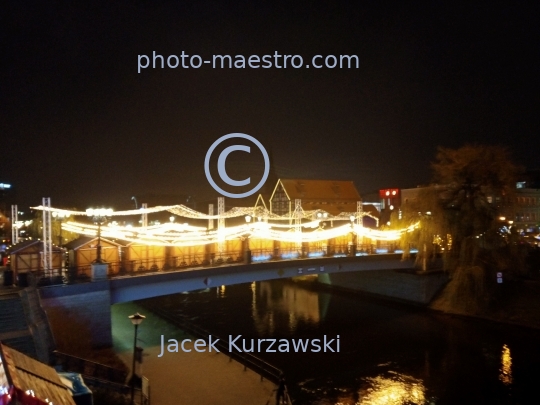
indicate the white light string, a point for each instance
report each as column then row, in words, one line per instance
column 186, row 212
column 185, row 235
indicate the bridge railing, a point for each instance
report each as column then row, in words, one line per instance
column 82, row 273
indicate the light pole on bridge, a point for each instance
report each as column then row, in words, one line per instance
column 99, row 216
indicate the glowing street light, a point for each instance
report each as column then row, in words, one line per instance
column 136, row 320
column 99, row 216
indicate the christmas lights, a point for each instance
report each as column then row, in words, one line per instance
column 262, row 224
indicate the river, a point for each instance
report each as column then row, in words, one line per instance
column 389, row 354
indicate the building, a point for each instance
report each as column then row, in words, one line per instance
column 523, row 208
column 332, row 196
column 140, row 257
column 27, row 256
column 82, row 252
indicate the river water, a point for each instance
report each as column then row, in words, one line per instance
column 390, row 354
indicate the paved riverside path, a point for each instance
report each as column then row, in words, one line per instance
column 185, row 378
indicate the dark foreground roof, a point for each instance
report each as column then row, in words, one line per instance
column 29, row 377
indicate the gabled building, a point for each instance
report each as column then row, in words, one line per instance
column 27, row 256
column 332, row 196
column 83, row 251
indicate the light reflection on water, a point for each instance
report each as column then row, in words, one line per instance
column 390, row 354
column 399, row 389
column 506, row 366
column 390, row 388
column 299, row 305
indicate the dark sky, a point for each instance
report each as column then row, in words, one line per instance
column 81, row 126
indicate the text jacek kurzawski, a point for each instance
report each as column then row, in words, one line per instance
column 243, row 345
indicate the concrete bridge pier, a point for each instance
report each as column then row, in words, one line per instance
column 83, row 310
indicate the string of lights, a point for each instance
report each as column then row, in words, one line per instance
column 186, row 212
column 185, row 235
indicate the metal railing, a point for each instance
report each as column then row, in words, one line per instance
column 89, row 368
column 248, row 360
column 76, row 274
column 101, row 376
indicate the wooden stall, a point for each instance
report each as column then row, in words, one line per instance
column 233, row 251
column 138, row 257
column 288, row 250
column 27, row 257
column 261, row 249
column 340, row 245
column 83, row 251
column 182, row 256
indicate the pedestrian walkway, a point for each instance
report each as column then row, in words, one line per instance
column 185, row 378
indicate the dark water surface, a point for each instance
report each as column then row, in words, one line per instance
column 389, row 354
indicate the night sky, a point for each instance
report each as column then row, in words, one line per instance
column 81, row 126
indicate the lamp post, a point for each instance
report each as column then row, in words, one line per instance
column 99, row 216
column 136, row 320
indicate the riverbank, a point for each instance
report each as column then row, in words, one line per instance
column 387, row 348
column 185, row 378
column 516, row 305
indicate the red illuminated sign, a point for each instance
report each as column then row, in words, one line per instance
column 389, row 193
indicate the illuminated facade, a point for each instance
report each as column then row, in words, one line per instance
column 331, row 196
column 523, row 209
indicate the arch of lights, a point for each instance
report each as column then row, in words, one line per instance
column 265, row 225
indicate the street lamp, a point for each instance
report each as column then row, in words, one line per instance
column 99, row 216
column 136, row 320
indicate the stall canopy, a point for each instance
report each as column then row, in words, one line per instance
column 26, row 381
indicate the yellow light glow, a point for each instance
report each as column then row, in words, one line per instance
column 398, row 390
column 175, row 234
column 505, row 375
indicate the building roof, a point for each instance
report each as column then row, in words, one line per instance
column 324, row 190
column 26, row 374
column 371, row 209
column 27, row 243
column 83, row 240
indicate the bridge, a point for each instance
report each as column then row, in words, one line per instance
column 249, row 244
column 90, row 302
column 243, row 234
